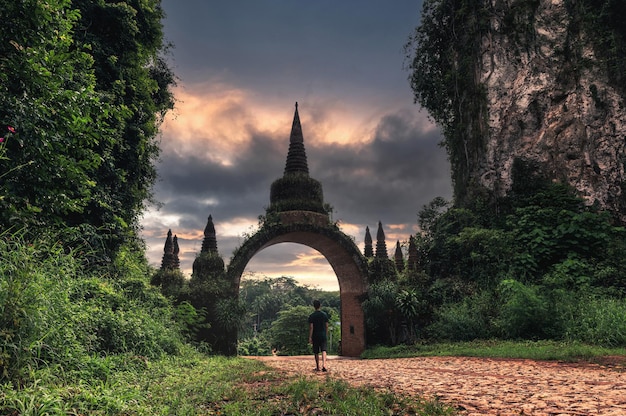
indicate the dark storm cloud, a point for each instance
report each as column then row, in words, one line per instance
column 191, row 184
column 285, row 46
column 389, row 179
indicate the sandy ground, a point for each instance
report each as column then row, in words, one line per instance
column 478, row 386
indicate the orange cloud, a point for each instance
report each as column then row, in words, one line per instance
column 213, row 120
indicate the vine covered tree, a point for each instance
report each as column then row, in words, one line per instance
column 84, row 85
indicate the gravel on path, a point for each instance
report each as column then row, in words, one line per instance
column 482, row 386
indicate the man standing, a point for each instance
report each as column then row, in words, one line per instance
column 318, row 328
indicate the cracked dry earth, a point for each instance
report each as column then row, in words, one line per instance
column 482, row 386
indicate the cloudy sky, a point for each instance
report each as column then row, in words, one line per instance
column 242, row 65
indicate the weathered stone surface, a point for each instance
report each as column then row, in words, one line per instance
column 550, row 101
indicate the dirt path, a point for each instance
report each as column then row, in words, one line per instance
column 478, row 386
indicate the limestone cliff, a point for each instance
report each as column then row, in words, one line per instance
column 550, row 107
column 549, row 77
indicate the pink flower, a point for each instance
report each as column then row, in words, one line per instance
column 11, row 129
column 1, row 139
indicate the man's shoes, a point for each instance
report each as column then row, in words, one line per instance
column 324, row 369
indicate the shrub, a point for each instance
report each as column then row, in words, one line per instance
column 51, row 313
column 524, row 311
column 34, row 306
column 257, row 345
column 463, row 321
column 290, row 332
column 599, row 321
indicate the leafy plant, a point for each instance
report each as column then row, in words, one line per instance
column 84, row 96
column 524, row 313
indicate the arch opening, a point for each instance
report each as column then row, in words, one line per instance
column 344, row 257
column 307, row 266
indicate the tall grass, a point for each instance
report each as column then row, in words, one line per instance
column 51, row 313
column 599, row 321
column 537, row 350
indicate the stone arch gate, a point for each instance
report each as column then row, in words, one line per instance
column 350, row 266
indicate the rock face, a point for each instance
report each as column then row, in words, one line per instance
column 549, row 101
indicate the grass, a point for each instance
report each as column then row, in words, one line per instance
column 536, row 350
column 194, row 384
column 191, row 383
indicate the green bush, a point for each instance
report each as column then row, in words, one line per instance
column 467, row 320
column 382, row 314
column 51, row 313
column 524, row 311
column 289, row 334
column 599, row 321
column 257, row 345
column 34, row 306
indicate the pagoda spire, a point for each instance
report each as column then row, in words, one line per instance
column 399, row 260
column 296, row 157
column 368, row 249
column 381, row 246
column 176, row 250
column 209, row 244
column 296, row 190
column 168, row 262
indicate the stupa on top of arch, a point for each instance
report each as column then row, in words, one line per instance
column 296, row 190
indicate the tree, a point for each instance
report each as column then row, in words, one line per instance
column 48, row 95
column 267, row 297
column 84, row 86
column 382, row 315
column 126, row 40
column 290, row 332
column 443, row 77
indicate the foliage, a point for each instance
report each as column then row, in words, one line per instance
column 521, row 272
column 53, row 314
column 257, row 345
column 170, row 281
column 524, row 313
column 191, row 319
column 602, row 18
column 48, row 94
column 297, row 191
column 229, row 314
column 268, row 298
column 552, row 225
column 598, row 321
column 127, row 45
column 84, row 87
column 465, row 320
column 427, row 217
column 441, row 59
column 289, row 333
column 381, row 269
column 212, row 296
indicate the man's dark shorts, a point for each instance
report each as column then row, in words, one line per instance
column 319, row 345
